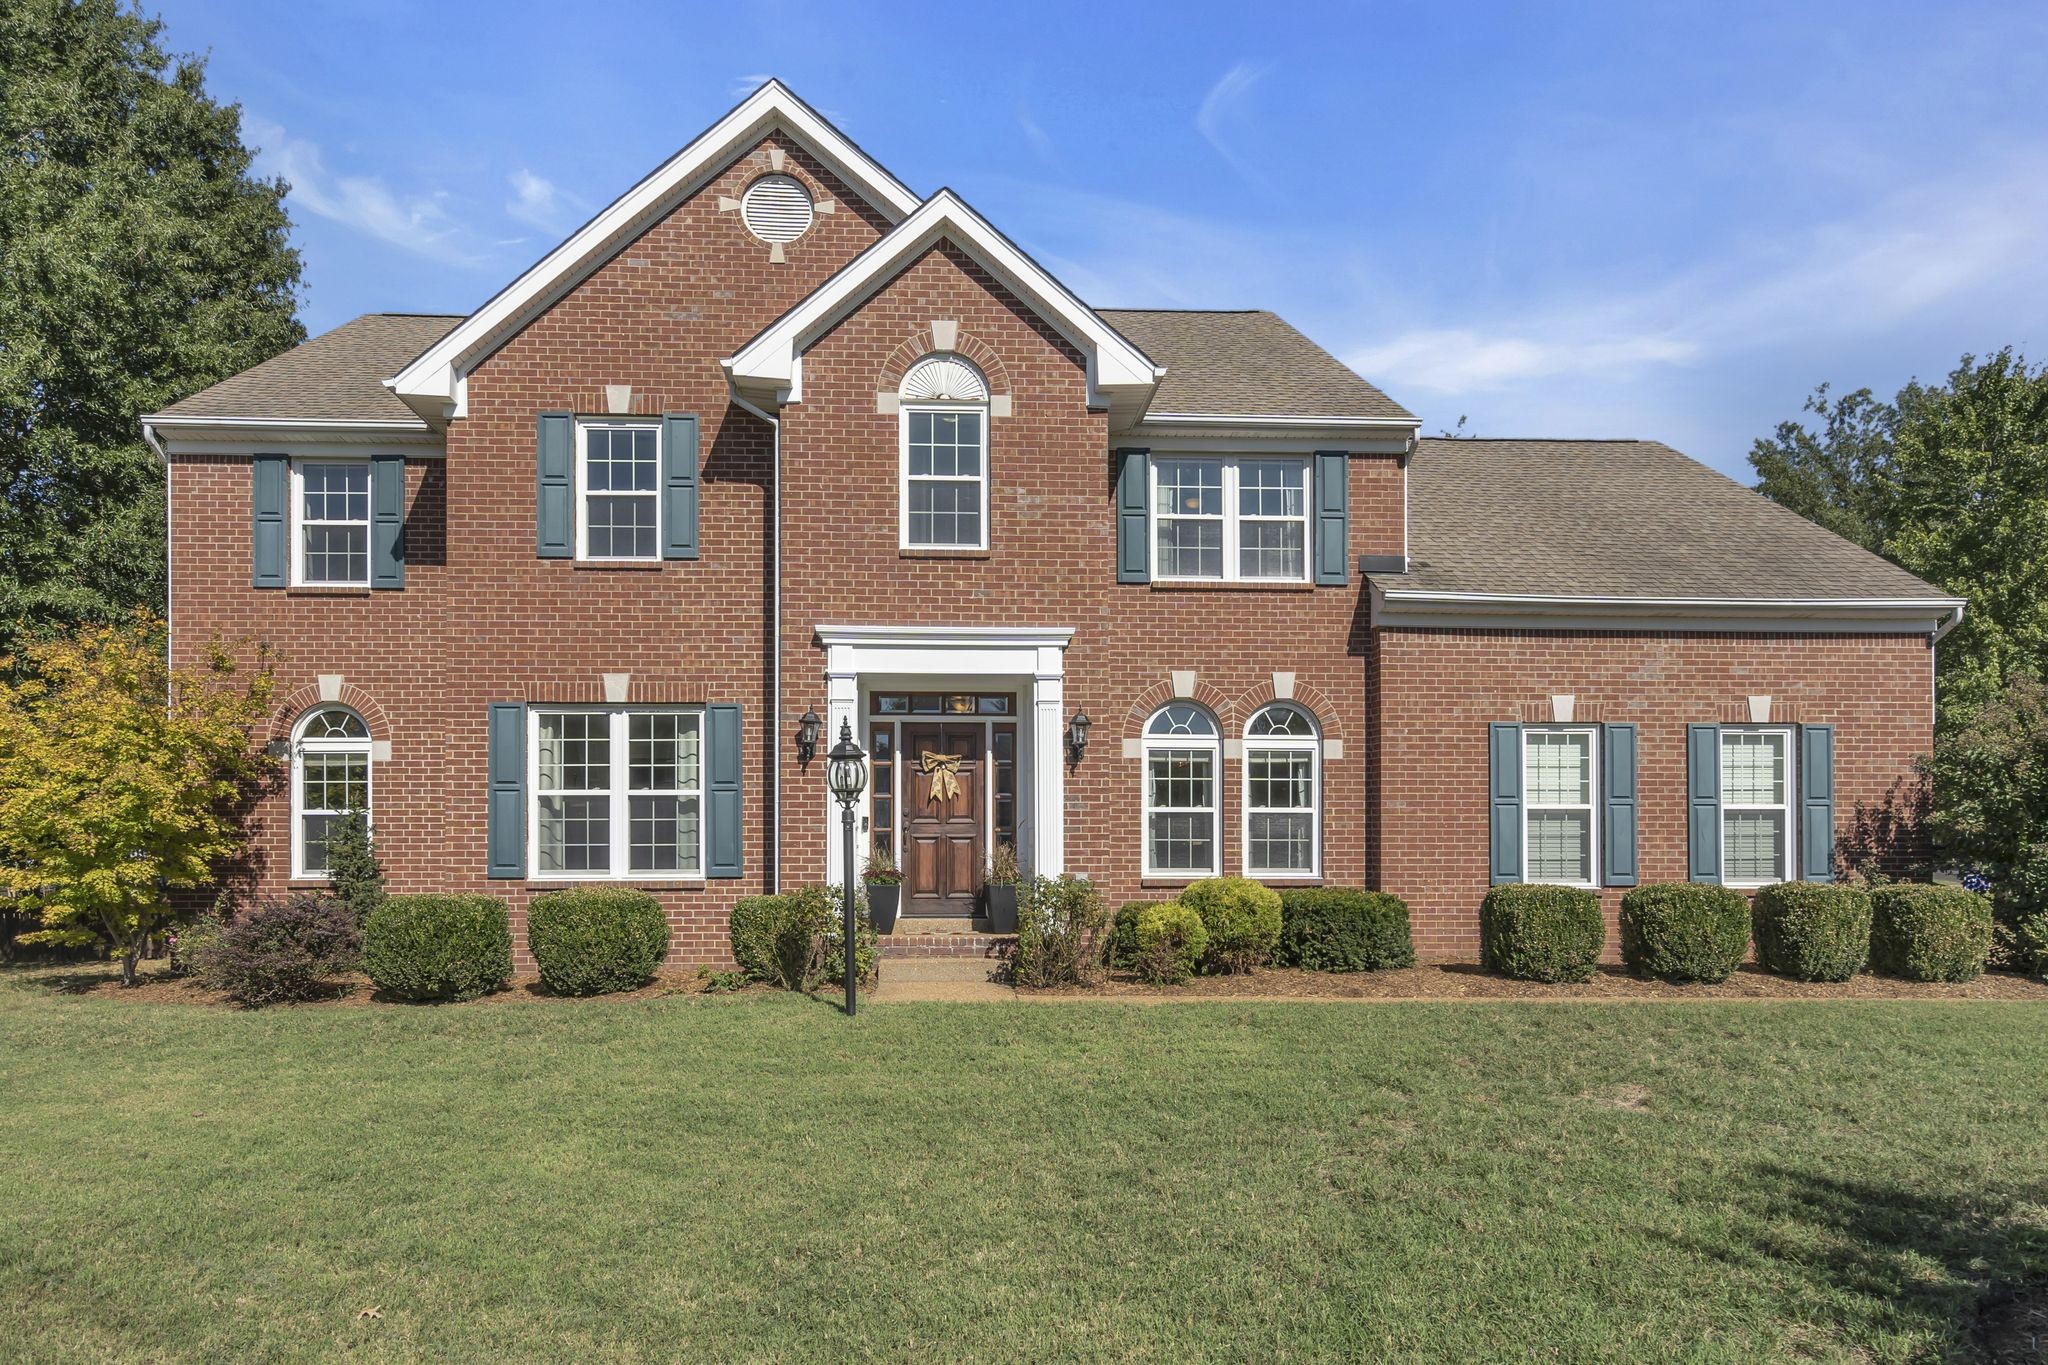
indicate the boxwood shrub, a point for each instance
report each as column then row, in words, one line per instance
column 1167, row 943
column 1684, row 931
column 1123, row 933
column 2030, row 944
column 438, row 947
column 596, row 939
column 1534, row 932
column 797, row 940
column 1339, row 929
column 1811, row 931
column 1241, row 917
column 1924, row 932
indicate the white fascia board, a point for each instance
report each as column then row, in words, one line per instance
column 1285, row 420
column 432, row 385
column 772, row 360
column 287, row 436
column 1258, row 434
column 1818, row 615
column 956, row 637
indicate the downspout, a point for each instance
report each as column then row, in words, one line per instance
column 1933, row 673
column 155, row 443
column 774, row 636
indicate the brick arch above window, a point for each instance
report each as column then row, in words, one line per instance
column 306, row 698
column 1215, row 701
column 1328, row 717
column 966, row 345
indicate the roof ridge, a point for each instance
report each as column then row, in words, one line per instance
column 1218, row 311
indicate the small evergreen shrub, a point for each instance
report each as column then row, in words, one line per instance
column 2030, row 944
column 1123, row 934
column 796, row 940
column 1811, row 931
column 283, row 951
column 1167, row 943
column 354, row 876
column 1060, row 938
column 438, row 947
column 1242, row 919
column 596, row 939
column 1533, row 932
column 1338, row 929
column 1684, row 931
column 1924, row 932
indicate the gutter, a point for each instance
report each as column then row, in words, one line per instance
column 774, row 637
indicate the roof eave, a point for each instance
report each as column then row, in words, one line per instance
column 1932, row 616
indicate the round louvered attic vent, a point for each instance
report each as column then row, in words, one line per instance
column 777, row 208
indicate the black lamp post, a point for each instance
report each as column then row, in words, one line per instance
column 846, row 772
column 807, row 737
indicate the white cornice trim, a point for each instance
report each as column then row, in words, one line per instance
column 1282, row 420
column 955, row 637
column 432, row 384
column 162, row 421
column 245, row 436
column 772, row 364
column 1933, row 616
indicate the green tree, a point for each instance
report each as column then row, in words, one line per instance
column 139, row 262
column 123, row 780
column 354, row 875
column 1990, row 771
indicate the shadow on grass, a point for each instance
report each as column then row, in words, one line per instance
column 78, row 979
column 1965, row 1270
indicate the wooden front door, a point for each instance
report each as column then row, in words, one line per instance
column 943, row 855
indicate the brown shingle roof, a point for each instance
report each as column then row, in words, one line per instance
column 336, row 376
column 1617, row 519
column 1248, row 364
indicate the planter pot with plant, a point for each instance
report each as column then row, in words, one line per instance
column 1001, row 890
column 885, row 891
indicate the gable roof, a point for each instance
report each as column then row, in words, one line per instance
column 770, row 362
column 1604, row 520
column 432, row 383
column 1246, row 363
column 337, row 376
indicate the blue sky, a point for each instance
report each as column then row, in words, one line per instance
column 1557, row 220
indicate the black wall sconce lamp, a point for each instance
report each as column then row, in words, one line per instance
column 1077, row 738
column 807, row 737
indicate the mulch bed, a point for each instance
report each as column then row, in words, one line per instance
column 159, row 987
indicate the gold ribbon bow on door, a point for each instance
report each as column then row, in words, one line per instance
column 944, row 771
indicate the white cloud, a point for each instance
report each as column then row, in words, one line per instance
column 1040, row 140
column 1223, row 108
column 416, row 223
column 540, row 202
column 743, row 86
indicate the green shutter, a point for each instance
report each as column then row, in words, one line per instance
column 1817, row 803
column 1504, row 753
column 679, row 486
column 505, row 813
column 1133, row 517
column 724, row 842
column 1703, row 802
column 1618, row 815
column 387, row 521
column 555, row 503
column 269, row 497
column 1333, row 501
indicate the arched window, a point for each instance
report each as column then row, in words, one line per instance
column 330, row 778
column 944, row 435
column 1182, row 758
column 1282, row 793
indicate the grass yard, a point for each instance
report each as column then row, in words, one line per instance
column 759, row 1178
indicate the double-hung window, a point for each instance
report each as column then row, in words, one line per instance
column 331, row 523
column 1560, row 805
column 1230, row 519
column 945, row 477
column 1281, row 755
column 617, row 792
column 1182, row 758
column 1756, row 806
column 618, row 490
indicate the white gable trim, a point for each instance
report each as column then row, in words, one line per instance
column 772, row 363
column 433, row 384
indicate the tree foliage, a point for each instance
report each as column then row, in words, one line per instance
column 123, row 780
column 139, row 262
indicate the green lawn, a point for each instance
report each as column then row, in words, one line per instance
column 760, row 1178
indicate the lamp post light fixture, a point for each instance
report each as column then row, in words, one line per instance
column 846, row 773
column 1077, row 737
column 807, row 737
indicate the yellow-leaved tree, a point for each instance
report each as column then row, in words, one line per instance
column 123, row 780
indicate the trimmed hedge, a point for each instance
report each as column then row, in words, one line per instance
column 2030, row 944
column 1123, row 933
column 797, row 940
column 1242, row 919
column 1811, row 931
column 1533, row 932
column 1167, row 943
column 1684, row 931
column 1339, row 929
column 591, row 940
column 1924, row 932
column 438, row 947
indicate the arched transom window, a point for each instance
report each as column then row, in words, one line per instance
column 330, row 778
column 1183, row 755
column 944, row 433
column 1282, row 793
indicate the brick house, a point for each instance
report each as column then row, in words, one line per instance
column 554, row 584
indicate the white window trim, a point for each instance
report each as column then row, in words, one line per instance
column 584, row 426
column 1232, row 518
column 1152, row 744
column 1595, row 791
column 619, row 793
column 296, row 524
column 300, row 747
column 1788, row 840
column 903, row 477
column 1312, row 745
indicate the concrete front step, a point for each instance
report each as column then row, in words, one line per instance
column 896, row 971
column 914, row 945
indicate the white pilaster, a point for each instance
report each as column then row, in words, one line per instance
column 1049, row 768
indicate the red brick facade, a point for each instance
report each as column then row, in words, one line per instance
column 481, row 619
